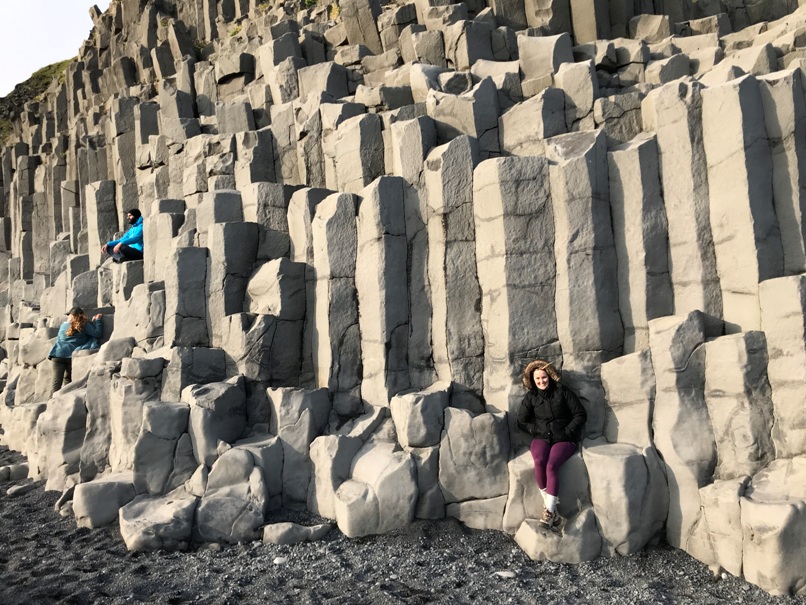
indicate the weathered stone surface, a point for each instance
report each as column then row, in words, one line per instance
column 629, row 384
column 747, row 239
column 479, row 514
column 263, row 347
column 267, row 205
column 158, row 523
column 102, row 218
column 95, row 448
column 97, row 503
column 217, row 414
column 783, row 305
column 381, row 290
column 785, row 120
column 331, row 457
column 640, row 234
column 277, row 288
column 591, row 20
column 337, row 339
column 523, row 129
column 737, row 394
column 381, row 493
column 675, row 112
column 359, row 18
column 722, row 517
column 291, row 533
column 234, row 503
column 233, row 248
column 543, row 55
column 651, row 28
column 163, row 425
column 57, row 439
column 418, row 416
column 457, row 337
column 127, row 398
column 472, row 456
column 298, row 417
column 188, row 366
column 359, row 152
column 580, row 85
column 185, row 310
column 474, row 113
column 589, row 324
column 267, row 451
column 772, row 512
column 629, row 494
column 515, row 256
column 466, row 42
column 549, row 16
column 668, row 70
column 580, row 540
column 680, row 421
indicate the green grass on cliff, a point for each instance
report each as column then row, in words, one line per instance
column 32, row 89
column 41, row 78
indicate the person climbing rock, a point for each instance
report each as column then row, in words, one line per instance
column 552, row 414
column 130, row 246
column 75, row 334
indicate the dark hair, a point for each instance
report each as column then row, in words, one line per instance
column 76, row 311
column 134, row 212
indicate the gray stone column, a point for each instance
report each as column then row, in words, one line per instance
column 337, row 339
column 589, row 324
column 747, row 239
column 639, row 230
column 516, row 271
column 381, row 287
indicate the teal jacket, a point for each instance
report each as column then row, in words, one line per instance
column 86, row 339
column 133, row 237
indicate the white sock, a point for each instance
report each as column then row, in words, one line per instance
column 550, row 502
column 544, row 494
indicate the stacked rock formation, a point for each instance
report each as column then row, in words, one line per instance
column 361, row 221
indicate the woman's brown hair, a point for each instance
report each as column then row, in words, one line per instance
column 77, row 320
column 538, row 364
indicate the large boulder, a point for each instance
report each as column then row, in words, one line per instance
column 381, row 493
column 158, row 523
column 235, row 500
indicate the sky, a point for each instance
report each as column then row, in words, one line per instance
column 35, row 33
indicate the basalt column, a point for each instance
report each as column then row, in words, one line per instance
column 515, row 257
column 587, row 305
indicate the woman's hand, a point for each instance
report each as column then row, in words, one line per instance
column 99, row 316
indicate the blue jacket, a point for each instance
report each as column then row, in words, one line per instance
column 133, row 237
column 86, row 339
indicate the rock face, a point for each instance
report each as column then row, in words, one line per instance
column 360, row 225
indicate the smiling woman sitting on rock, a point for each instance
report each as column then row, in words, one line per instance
column 552, row 414
column 75, row 334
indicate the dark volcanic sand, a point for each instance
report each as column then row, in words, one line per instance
column 45, row 558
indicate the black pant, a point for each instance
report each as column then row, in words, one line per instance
column 126, row 253
column 62, row 372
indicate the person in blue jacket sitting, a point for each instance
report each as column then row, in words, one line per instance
column 130, row 246
column 75, row 334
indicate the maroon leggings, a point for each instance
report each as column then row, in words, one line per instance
column 548, row 459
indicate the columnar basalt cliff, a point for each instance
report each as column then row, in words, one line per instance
column 361, row 221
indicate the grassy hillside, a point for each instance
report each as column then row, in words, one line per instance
column 31, row 89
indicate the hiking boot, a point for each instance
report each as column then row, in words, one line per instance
column 549, row 519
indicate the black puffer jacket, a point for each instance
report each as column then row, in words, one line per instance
column 554, row 415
